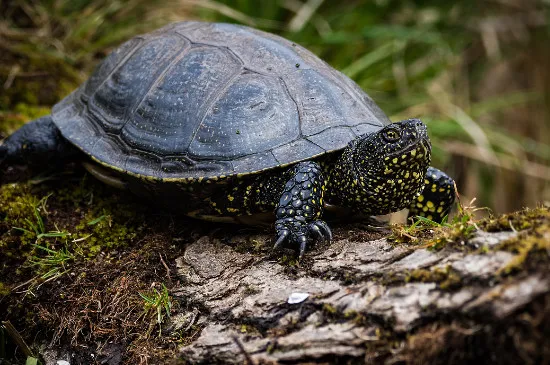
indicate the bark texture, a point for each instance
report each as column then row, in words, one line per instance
column 367, row 300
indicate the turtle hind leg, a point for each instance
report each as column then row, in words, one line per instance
column 437, row 198
column 36, row 147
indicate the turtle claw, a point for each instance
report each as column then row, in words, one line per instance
column 299, row 235
column 318, row 234
column 283, row 234
column 323, row 230
column 303, row 244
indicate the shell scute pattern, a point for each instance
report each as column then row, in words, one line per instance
column 166, row 119
column 114, row 99
column 105, row 68
column 253, row 115
column 260, row 52
column 202, row 100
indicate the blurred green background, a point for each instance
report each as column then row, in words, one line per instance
column 477, row 72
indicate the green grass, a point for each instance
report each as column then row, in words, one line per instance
column 54, row 264
column 35, row 225
column 157, row 305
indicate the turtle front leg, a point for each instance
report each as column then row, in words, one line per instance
column 437, row 198
column 36, row 147
column 300, row 207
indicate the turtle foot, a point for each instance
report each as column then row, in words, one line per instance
column 298, row 233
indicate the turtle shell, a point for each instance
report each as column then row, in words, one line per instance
column 196, row 99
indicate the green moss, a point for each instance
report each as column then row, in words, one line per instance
column 251, row 245
column 329, row 309
column 85, row 218
column 518, row 221
column 532, row 243
column 246, row 328
column 104, row 235
column 530, row 248
column 4, row 290
column 445, row 277
column 17, row 207
column 288, row 260
column 106, row 222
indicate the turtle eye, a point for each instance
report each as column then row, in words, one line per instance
column 391, row 135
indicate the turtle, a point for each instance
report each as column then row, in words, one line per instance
column 228, row 123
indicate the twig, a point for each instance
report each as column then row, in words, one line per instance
column 16, row 337
column 166, row 266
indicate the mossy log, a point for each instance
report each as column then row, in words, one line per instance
column 486, row 299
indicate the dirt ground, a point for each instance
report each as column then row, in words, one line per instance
column 92, row 275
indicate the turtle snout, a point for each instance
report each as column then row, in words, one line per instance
column 414, row 129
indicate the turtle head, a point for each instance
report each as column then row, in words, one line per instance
column 390, row 165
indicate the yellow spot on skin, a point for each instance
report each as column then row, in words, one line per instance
column 421, row 198
column 430, row 204
column 232, row 210
column 440, row 209
column 394, row 160
column 430, row 217
column 231, row 198
column 413, row 153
